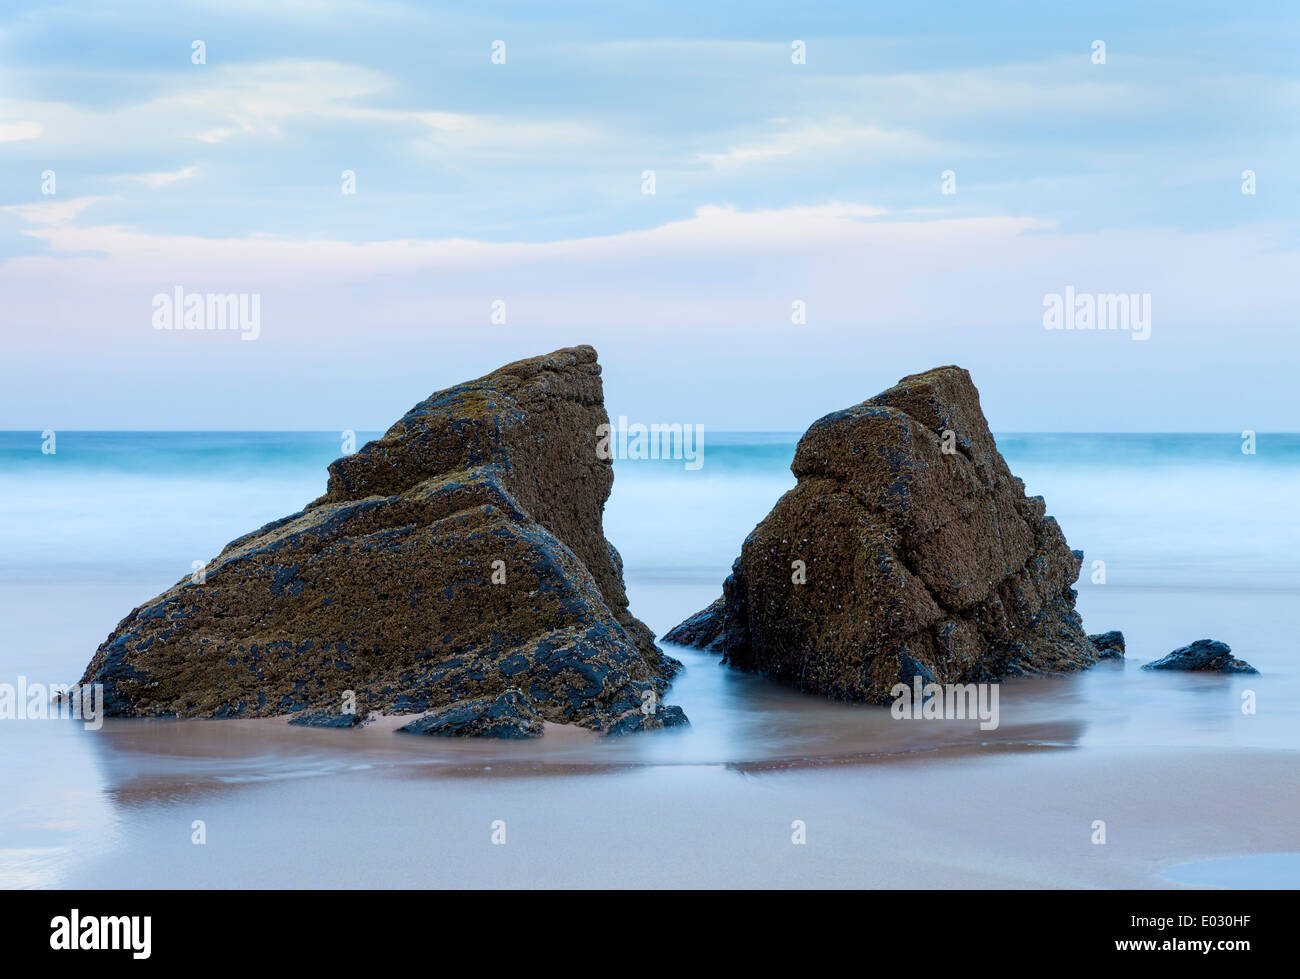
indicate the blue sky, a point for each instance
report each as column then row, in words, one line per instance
column 522, row 182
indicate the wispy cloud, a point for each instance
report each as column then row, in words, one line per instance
column 164, row 178
column 270, row 101
column 790, row 138
column 12, row 132
column 50, row 214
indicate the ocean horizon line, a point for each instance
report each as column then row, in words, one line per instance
column 795, row 435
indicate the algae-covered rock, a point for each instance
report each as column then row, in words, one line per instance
column 1110, row 645
column 457, row 557
column 1207, row 655
column 703, row 630
column 907, row 548
column 326, row 719
column 510, row 715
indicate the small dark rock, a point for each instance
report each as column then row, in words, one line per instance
column 1204, row 654
column 703, row 630
column 1109, row 644
column 665, row 716
column 511, row 715
column 322, row 718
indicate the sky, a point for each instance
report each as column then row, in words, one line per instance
column 843, row 194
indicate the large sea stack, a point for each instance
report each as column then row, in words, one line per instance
column 457, row 565
column 906, row 549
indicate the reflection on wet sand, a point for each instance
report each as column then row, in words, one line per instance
column 157, row 761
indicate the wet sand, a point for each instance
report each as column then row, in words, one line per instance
column 1014, row 816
